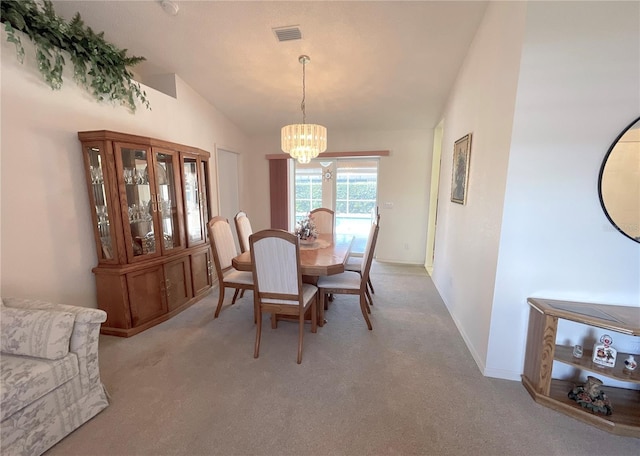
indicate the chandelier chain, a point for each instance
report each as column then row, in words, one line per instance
column 302, row 105
column 303, row 141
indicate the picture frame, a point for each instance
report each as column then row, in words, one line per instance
column 460, row 172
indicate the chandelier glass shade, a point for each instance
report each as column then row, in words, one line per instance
column 303, row 141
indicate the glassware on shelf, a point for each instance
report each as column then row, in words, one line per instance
column 164, row 206
column 140, row 177
column 101, row 210
column 139, row 212
column 128, row 175
column 103, row 228
column 96, row 174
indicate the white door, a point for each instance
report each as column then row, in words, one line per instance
column 228, row 188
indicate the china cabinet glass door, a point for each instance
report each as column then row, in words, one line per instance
column 194, row 199
column 139, row 207
column 168, row 202
column 204, row 173
column 100, row 202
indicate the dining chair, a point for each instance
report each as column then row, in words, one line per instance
column 224, row 249
column 324, row 219
column 350, row 282
column 279, row 290
column 243, row 228
column 356, row 266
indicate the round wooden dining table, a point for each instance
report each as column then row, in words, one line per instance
column 326, row 256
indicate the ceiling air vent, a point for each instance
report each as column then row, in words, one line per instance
column 289, row 33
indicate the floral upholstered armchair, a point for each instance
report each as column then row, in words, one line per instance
column 49, row 375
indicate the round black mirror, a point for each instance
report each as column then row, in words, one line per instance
column 619, row 182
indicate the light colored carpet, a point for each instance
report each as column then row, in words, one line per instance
column 191, row 386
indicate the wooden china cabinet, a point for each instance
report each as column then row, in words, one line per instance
column 150, row 207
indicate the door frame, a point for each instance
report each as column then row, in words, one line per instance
column 226, row 172
column 433, row 197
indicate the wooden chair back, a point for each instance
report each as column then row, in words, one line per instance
column 324, row 219
column 222, row 244
column 277, row 277
column 369, row 250
column 224, row 249
column 243, row 228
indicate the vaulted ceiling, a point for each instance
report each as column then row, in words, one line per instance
column 374, row 64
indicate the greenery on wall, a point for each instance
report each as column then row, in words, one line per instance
column 98, row 66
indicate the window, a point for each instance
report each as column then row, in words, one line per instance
column 356, row 198
column 348, row 186
column 308, row 189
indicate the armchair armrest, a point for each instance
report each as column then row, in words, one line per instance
column 83, row 314
column 84, row 337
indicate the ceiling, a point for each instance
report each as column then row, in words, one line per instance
column 374, row 64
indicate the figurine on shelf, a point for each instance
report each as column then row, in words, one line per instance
column 603, row 353
column 591, row 397
column 577, row 351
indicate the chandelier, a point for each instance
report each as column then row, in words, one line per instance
column 304, row 141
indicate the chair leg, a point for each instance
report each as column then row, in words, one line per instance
column 300, row 336
column 314, row 315
column 220, row 301
column 242, row 293
column 370, row 299
column 323, row 296
column 274, row 321
column 235, row 296
column 363, row 304
column 366, row 303
column 256, row 351
column 256, row 309
column 370, row 285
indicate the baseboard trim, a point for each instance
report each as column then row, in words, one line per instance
column 474, row 354
column 406, row 263
column 502, row 374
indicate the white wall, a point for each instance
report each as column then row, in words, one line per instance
column 403, row 179
column 47, row 240
column 467, row 236
column 544, row 233
column 579, row 87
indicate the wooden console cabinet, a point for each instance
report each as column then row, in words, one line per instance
column 150, row 207
column 543, row 350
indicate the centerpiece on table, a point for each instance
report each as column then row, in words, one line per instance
column 306, row 230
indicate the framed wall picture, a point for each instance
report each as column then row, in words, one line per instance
column 460, row 175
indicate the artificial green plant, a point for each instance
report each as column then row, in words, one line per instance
column 98, row 66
